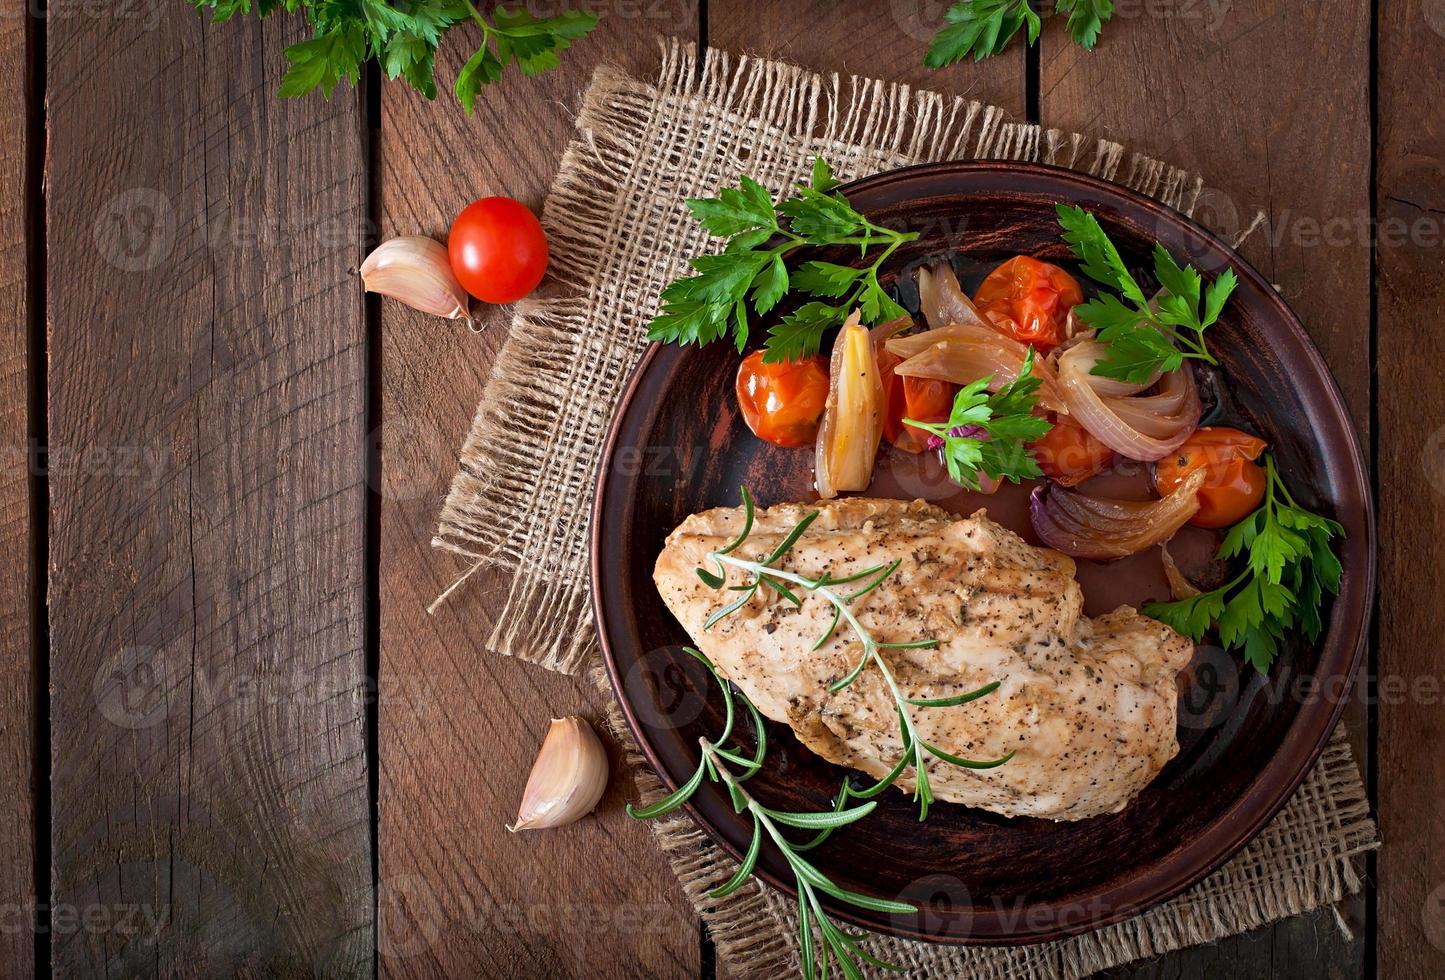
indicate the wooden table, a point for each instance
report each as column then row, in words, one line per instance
column 231, row 739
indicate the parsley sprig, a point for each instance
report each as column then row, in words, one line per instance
column 1290, row 567
column 404, row 40
column 751, row 271
column 988, row 433
column 983, row 28
column 1143, row 336
column 726, row 762
column 765, row 572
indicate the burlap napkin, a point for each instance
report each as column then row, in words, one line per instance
column 620, row 232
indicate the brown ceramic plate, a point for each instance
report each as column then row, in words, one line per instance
column 678, row 446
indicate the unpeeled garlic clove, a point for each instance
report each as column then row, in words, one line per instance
column 417, row 271
column 567, row 779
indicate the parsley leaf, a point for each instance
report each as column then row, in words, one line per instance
column 404, row 40
column 1143, row 336
column 1086, row 19
column 989, row 433
column 1290, row 566
column 983, row 28
column 751, row 272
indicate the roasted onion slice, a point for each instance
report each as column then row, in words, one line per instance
column 942, row 301
column 1179, row 586
column 1142, row 427
column 853, row 418
column 1102, row 529
column 963, row 360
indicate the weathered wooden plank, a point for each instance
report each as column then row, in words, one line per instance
column 1270, row 102
column 17, row 677
column 208, row 499
column 1410, row 289
column 874, row 40
column 459, row 726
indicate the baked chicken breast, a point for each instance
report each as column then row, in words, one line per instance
column 1087, row 705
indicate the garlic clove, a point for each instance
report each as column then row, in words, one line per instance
column 567, row 779
column 418, row 272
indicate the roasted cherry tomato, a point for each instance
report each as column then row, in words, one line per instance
column 1068, row 454
column 498, row 250
column 1234, row 482
column 782, row 403
column 923, row 399
column 1029, row 300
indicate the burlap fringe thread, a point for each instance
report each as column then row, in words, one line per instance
column 620, row 232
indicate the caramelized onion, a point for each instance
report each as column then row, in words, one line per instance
column 964, row 360
column 853, row 418
column 1179, row 586
column 942, row 301
column 1099, row 528
column 914, row 344
column 1142, row 427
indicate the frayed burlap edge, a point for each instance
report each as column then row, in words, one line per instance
column 620, row 232
column 1305, row 859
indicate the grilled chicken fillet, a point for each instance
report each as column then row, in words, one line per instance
column 1087, row 705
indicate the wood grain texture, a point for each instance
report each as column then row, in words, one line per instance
column 17, row 677
column 1410, row 289
column 1270, row 102
column 459, row 725
column 206, row 420
column 885, row 40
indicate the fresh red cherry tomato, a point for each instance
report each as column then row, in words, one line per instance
column 498, row 250
column 1068, row 454
column 923, row 399
column 783, row 402
column 1233, row 483
column 1029, row 300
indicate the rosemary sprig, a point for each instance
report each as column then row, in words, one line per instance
column 717, row 762
column 764, row 573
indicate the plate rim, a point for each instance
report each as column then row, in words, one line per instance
column 1304, row 742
